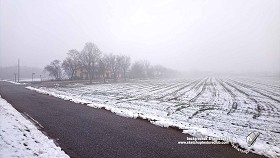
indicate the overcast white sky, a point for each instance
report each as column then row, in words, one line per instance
column 214, row 35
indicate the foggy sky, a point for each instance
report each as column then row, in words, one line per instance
column 216, row 35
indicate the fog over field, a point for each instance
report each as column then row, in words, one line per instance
column 208, row 70
column 217, row 36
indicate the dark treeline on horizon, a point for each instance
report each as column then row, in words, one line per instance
column 91, row 63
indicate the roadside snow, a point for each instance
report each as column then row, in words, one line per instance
column 13, row 82
column 20, row 138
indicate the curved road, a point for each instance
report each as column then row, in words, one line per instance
column 82, row 131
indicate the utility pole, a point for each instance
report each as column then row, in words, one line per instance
column 18, row 69
column 15, row 77
column 32, row 76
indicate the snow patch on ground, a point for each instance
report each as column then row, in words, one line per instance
column 20, row 138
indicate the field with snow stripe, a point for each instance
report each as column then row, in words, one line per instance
column 219, row 107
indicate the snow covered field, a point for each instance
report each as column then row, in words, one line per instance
column 219, row 107
column 20, row 138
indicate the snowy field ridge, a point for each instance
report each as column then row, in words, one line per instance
column 217, row 107
column 20, row 138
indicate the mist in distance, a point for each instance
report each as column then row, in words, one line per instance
column 191, row 36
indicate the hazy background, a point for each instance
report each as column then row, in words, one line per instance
column 188, row 35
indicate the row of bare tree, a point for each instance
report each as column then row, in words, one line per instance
column 95, row 63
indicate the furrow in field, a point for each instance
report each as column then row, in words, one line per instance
column 234, row 104
column 158, row 85
column 269, row 106
column 183, row 90
column 260, row 89
column 258, row 107
column 131, row 86
column 169, row 86
column 132, row 91
column 213, row 91
column 119, row 86
column 194, row 85
column 203, row 85
column 207, row 99
column 257, row 91
column 213, row 88
column 191, row 92
column 198, row 88
column 140, row 86
column 162, row 90
column 146, row 93
column 173, row 91
column 262, row 85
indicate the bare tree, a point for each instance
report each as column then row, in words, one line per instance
column 117, row 66
column 71, row 64
column 54, row 69
column 147, row 66
column 159, row 71
column 137, row 70
column 142, row 69
column 102, row 67
column 89, row 56
column 124, row 64
column 113, row 64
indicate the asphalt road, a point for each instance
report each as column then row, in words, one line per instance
column 82, row 131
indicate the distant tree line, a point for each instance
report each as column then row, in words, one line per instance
column 97, row 65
